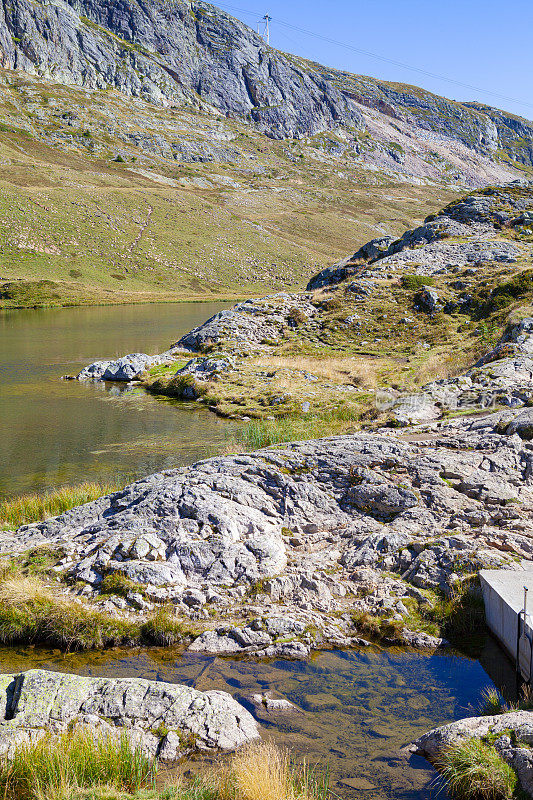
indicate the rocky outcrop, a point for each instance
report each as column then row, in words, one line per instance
column 164, row 719
column 510, row 734
column 475, row 220
column 252, row 323
column 171, row 54
column 125, row 369
column 296, row 532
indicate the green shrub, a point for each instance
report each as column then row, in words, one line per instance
column 473, row 770
column 415, row 282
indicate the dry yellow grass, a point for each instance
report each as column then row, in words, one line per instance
column 265, row 772
column 355, row 370
column 19, row 590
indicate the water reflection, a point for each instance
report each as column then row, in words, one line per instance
column 55, row 432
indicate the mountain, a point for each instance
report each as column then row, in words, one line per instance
column 162, row 150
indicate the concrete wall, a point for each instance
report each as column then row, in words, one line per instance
column 503, row 597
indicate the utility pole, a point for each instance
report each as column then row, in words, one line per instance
column 266, row 32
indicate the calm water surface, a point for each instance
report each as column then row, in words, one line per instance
column 55, row 432
column 359, row 708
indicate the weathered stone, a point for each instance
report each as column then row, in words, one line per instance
column 36, row 701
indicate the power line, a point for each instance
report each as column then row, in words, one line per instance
column 386, row 60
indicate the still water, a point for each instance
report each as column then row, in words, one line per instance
column 357, row 708
column 55, row 432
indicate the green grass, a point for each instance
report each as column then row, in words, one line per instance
column 36, row 507
column 265, row 432
column 77, row 759
column 117, row 583
column 492, row 702
column 31, row 613
column 79, row 765
column 473, row 770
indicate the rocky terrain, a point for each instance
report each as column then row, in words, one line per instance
column 451, row 295
column 164, row 151
column 301, row 541
column 294, row 540
column 164, row 719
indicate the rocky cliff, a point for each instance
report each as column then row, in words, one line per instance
column 191, row 53
column 173, row 54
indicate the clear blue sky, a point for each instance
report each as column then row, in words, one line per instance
column 484, row 44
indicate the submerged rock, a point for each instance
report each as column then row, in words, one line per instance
column 35, row 702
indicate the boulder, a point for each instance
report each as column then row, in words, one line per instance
column 34, row 702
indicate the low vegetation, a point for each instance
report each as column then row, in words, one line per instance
column 35, row 507
column 459, row 618
column 473, row 770
column 83, row 766
column 33, row 613
column 492, row 701
column 57, row 766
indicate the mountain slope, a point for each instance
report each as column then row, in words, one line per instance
column 171, row 53
column 180, row 52
column 162, row 150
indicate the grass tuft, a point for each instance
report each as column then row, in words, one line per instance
column 266, row 772
column 473, row 770
column 56, row 765
column 492, row 702
column 36, row 507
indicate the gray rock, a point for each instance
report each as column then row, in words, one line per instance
column 522, row 424
column 382, row 500
column 125, row 369
column 34, row 702
column 172, row 55
column 429, row 299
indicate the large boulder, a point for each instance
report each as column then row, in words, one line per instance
column 34, row 702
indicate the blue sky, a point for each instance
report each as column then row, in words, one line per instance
column 488, row 45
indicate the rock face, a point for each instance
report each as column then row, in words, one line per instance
column 194, row 54
column 171, row 54
column 36, row 701
column 511, row 735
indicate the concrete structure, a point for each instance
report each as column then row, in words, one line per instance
column 503, row 593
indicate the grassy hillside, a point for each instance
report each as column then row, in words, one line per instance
column 108, row 199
